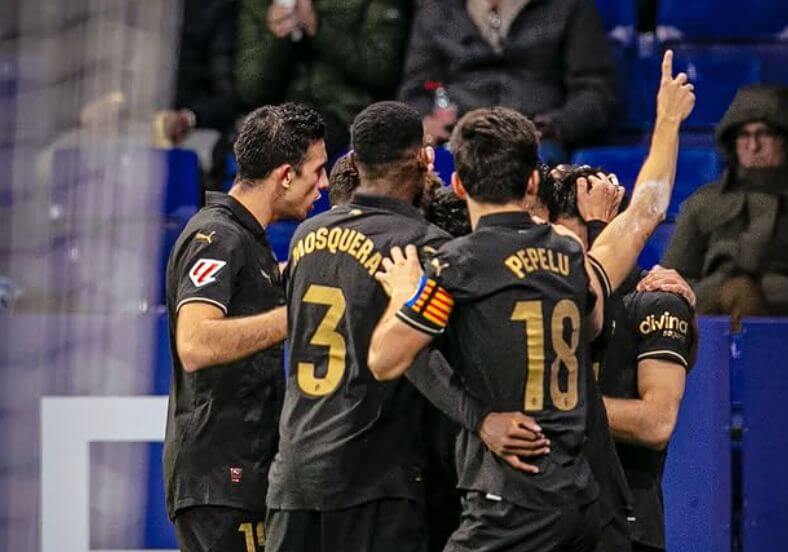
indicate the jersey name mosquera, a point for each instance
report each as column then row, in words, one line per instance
column 530, row 259
column 336, row 240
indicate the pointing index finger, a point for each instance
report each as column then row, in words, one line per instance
column 667, row 65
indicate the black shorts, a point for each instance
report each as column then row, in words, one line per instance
column 489, row 525
column 219, row 529
column 391, row 524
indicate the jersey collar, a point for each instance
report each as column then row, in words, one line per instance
column 237, row 209
column 386, row 203
column 513, row 219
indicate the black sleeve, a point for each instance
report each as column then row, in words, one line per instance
column 595, row 228
column 665, row 327
column 440, row 385
column 209, row 266
column 604, row 280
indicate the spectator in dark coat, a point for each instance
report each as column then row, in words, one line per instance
column 206, row 95
column 731, row 238
column 547, row 58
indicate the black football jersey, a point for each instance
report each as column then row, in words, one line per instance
column 346, row 438
column 513, row 297
column 645, row 325
column 615, row 497
column 222, row 420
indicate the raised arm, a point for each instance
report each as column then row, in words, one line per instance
column 617, row 248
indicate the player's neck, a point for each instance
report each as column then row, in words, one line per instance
column 478, row 210
column 255, row 201
column 384, row 187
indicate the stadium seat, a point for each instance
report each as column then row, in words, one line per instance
column 716, row 71
column 722, row 20
column 619, row 18
column 697, row 480
column 656, row 246
column 696, row 166
column 764, row 348
column 112, row 180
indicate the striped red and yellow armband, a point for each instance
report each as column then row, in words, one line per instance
column 429, row 309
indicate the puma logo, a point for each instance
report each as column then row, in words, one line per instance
column 438, row 266
column 208, row 238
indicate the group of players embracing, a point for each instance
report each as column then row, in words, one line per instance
column 447, row 350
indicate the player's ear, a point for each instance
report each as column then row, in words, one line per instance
column 532, row 187
column 456, row 185
column 428, row 153
column 284, row 175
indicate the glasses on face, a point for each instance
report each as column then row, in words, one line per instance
column 760, row 135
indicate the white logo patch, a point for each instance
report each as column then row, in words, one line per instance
column 204, row 271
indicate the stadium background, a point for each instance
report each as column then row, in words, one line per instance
column 88, row 213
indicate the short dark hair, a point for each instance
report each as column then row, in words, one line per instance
column 343, row 180
column 495, row 151
column 449, row 212
column 274, row 135
column 558, row 189
column 384, row 133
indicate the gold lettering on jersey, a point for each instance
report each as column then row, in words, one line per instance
column 531, row 259
column 339, row 240
column 665, row 323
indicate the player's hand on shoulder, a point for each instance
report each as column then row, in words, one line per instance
column 675, row 99
column 599, row 197
column 401, row 272
column 669, row 281
column 513, row 435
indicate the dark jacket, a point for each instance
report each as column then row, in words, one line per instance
column 554, row 61
column 206, row 63
column 706, row 247
column 354, row 59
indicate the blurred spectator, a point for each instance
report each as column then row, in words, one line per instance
column 731, row 238
column 206, row 97
column 548, row 59
column 337, row 56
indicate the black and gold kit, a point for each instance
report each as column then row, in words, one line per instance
column 645, row 325
column 222, row 421
column 348, row 440
column 513, row 297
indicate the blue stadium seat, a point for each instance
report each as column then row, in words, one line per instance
column 697, row 481
column 118, row 181
column 619, row 18
column 717, row 71
column 774, row 62
column 656, row 246
column 764, row 349
column 722, row 20
column 696, row 166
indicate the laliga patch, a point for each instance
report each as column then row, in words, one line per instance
column 204, row 271
column 236, row 474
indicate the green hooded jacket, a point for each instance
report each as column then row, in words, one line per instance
column 354, row 59
column 706, row 247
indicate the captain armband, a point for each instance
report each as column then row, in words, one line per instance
column 429, row 309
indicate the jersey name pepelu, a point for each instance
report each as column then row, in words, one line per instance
column 339, row 240
column 531, row 259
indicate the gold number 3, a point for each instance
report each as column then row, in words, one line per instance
column 326, row 335
column 531, row 312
